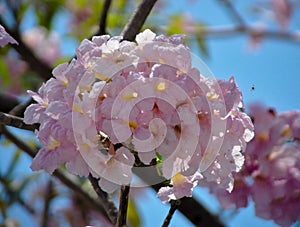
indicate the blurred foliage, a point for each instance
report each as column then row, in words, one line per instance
column 46, row 10
column 133, row 214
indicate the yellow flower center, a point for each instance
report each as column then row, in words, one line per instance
column 178, row 179
column 161, row 87
column 53, row 143
column 286, row 131
column 130, row 96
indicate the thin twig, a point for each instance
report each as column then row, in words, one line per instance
column 16, row 122
column 189, row 207
column 103, row 18
column 96, row 205
column 26, row 206
column 47, row 201
column 19, row 143
column 229, row 31
column 173, row 208
column 19, row 109
column 137, row 19
column 10, row 190
column 233, row 12
column 105, row 200
column 122, row 215
column 7, row 103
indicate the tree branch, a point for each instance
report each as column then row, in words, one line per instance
column 16, row 122
column 173, row 208
column 19, row 109
column 122, row 215
column 7, row 103
column 223, row 32
column 105, row 200
column 137, row 19
column 20, row 144
column 103, row 18
column 47, row 201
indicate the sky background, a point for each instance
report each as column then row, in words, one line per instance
column 273, row 69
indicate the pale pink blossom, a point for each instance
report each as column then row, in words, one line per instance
column 5, row 38
column 283, row 12
column 45, row 45
column 181, row 187
column 35, row 112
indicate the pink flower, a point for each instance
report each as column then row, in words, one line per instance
column 283, row 12
column 181, row 187
column 41, row 42
column 5, row 38
column 237, row 198
column 57, row 148
column 35, row 112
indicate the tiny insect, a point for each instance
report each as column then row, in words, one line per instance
column 252, row 88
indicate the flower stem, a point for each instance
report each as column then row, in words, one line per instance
column 173, row 208
column 48, row 197
column 122, row 215
column 105, row 199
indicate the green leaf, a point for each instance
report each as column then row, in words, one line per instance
column 4, row 75
column 202, row 45
column 175, row 25
column 120, row 4
column 24, row 6
column 158, row 167
column 31, row 80
column 46, row 10
column 159, row 157
column 6, row 143
column 132, row 214
column 200, row 39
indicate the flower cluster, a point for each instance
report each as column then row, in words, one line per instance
column 271, row 174
column 125, row 104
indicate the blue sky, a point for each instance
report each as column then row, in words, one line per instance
column 273, row 70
